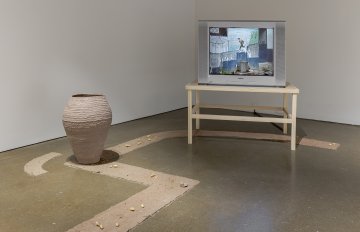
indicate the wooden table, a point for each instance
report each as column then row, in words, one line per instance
column 194, row 111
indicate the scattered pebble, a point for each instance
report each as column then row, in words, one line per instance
column 138, row 143
column 184, row 185
column 54, row 223
column 330, row 144
column 132, row 209
column 117, row 224
column 101, row 227
column 142, row 205
column 127, row 145
column 97, row 171
column 115, row 166
column 97, row 224
column 148, row 136
column 148, row 139
column 153, row 175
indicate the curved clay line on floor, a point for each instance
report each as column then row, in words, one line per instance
column 34, row 167
column 163, row 188
column 137, row 143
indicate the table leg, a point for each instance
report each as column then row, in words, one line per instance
column 293, row 122
column 189, row 116
column 197, row 103
column 285, row 107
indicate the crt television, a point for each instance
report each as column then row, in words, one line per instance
column 250, row 53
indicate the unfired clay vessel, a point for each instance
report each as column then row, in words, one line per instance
column 87, row 119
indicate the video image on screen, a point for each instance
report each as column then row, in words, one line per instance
column 241, row 51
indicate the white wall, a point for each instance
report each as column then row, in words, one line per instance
column 323, row 51
column 138, row 53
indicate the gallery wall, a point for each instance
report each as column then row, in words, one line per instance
column 322, row 52
column 138, row 53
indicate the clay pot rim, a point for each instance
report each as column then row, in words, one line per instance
column 87, row 95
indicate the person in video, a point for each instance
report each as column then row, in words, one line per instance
column 242, row 46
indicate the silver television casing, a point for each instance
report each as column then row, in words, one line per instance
column 277, row 80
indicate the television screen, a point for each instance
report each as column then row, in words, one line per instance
column 241, row 51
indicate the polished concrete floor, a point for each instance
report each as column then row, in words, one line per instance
column 245, row 185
